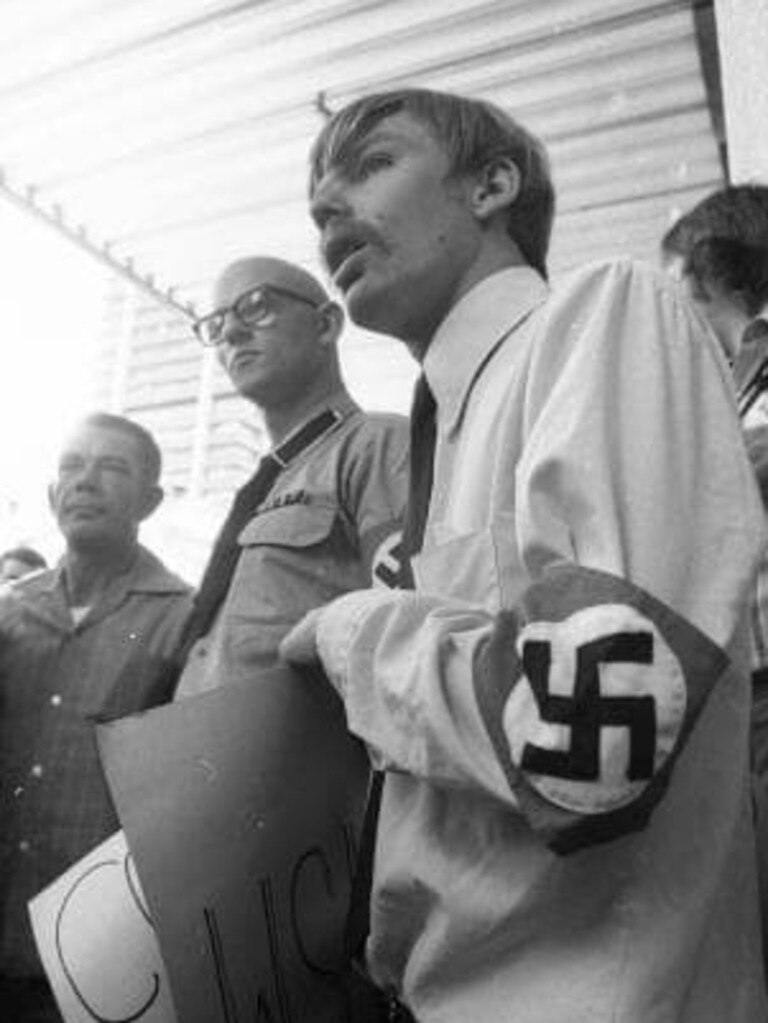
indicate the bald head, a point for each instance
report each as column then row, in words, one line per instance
column 278, row 333
column 253, row 271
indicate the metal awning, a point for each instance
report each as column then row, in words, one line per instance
column 169, row 136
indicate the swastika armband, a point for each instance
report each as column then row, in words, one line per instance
column 589, row 691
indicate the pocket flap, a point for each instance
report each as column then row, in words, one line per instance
column 299, row 525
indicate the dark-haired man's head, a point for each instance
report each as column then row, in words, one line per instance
column 719, row 249
column 418, row 195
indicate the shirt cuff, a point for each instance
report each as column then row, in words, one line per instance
column 340, row 624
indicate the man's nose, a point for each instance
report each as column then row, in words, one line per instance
column 88, row 475
column 233, row 331
column 329, row 199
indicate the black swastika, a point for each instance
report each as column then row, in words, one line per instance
column 387, row 570
column 587, row 710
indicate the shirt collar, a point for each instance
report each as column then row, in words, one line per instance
column 150, row 575
column 473, row 329
column 340, row 402
column 147, row 574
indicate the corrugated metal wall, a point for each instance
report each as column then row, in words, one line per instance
column 177, row 131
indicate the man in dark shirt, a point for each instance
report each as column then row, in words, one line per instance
column 87, row 638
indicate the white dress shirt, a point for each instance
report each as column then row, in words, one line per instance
column 562, row 704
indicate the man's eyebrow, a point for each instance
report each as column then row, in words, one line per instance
column 379, row 134
column 226, row 306
column 352, row 148
column 120, row 460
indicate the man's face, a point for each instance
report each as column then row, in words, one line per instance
column 724, row 315
column 279, row 359
column 397, row 234
column 101, row 492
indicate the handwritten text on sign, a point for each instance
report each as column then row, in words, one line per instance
column 242, row 807
column 97, row 944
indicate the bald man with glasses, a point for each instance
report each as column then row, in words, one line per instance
column 322, row 515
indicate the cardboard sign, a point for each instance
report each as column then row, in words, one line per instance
column 97, row 943
column 243, row 808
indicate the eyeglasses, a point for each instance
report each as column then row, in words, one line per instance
column 255, row 309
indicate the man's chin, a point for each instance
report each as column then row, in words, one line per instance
column 371, row 309
column 85, row 535
column 255, row 391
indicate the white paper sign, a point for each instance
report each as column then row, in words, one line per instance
column 97, row 943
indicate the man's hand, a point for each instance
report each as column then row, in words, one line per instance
column 300, row 645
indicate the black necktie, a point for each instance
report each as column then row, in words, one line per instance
column 226, row 550
column 422, row 456
column 223, row 560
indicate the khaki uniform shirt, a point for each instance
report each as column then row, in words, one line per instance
column 331, row 523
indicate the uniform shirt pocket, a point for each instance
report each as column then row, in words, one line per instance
column 301, row 525
column 292, row 558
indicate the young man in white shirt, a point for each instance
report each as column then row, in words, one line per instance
column 562, row 705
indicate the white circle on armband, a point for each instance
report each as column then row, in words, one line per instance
column 602, row 711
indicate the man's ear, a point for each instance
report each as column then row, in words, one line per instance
column 52, row 497
column 497, row 187
column 331, row 317
column 152, row 499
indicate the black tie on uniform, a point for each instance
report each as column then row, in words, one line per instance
column 226, row 551
column 422, row 456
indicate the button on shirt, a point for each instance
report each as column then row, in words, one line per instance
column 55, row 678
column 331, row 523
column 587, row 443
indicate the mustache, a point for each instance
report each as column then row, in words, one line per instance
column 343, row 240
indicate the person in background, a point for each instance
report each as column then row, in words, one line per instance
column 91, row 637
column 718, row 250
column 323, row 513
column 562, row 705
column 18, row 562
